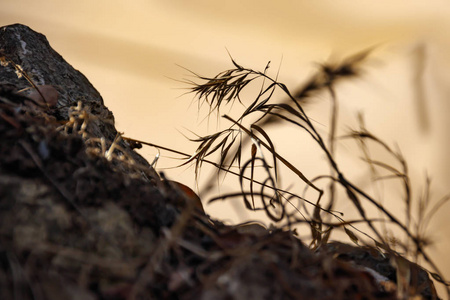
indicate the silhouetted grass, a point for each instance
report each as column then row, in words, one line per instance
column 227, row 87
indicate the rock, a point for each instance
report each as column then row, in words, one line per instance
column 30, row 64
column 44, row 66
column 82, row 216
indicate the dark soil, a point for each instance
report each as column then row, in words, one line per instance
column 84, row 217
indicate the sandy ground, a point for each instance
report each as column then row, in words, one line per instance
column 130, row 51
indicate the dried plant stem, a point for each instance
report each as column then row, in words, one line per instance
column 226, row 88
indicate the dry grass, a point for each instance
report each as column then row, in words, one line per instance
column 227, row 88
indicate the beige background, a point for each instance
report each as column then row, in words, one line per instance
column 129, row 50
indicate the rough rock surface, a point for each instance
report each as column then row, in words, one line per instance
column 28, row 59
column 82, row 216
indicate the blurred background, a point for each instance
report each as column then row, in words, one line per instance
column 131, row 51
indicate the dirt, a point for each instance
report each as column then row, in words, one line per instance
column 83, row 217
